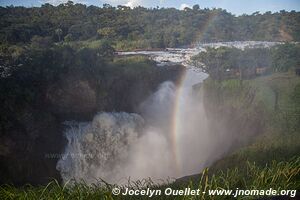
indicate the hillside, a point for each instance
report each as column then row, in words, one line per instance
column 141, row 27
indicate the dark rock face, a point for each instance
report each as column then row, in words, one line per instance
column 78, row 97
column 127, row 93
column 72, row 97
column 30, row 149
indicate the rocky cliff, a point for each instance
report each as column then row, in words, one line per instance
column 33, row 140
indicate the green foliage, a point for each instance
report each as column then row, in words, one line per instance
column 106, row 32
column 216, row 61
column 29, row 72
column 142, row 27
column 285, row 57
column 274, row 97
column 280, row 115
column 224, row 62
column 126, row 45
column 285, row 115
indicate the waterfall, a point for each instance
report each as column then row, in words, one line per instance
column 168, row 139
column 116, row 146
column 99, row 148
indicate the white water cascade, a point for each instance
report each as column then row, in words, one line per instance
column 170, row 139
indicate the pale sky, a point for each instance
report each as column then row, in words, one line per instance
column 234, row 6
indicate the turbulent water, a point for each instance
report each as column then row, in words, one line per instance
column 169, row 139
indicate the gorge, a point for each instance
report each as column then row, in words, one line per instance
column 171, row 135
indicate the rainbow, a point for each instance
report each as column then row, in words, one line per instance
column 211, row 18
column 176, row 119
column 176, row 125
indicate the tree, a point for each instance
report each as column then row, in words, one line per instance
column 196, row 7
column 59, row 33
column 285, row 57
column 106, row 32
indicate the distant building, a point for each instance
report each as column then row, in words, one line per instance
column 245, row 73
column 231, row 73
column 262, row 70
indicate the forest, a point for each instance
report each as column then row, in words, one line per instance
column 141, row 28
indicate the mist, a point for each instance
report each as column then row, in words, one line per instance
column 169, row 139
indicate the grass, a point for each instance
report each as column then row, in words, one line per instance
column 271, row 161
column 123, row 45
column 91, row 44
column 277, row 175
column 129, row 45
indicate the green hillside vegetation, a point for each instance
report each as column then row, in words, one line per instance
column 141, row 27
column 280, row 115
column 226, row 63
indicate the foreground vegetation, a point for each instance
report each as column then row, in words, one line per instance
column 278, row 176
